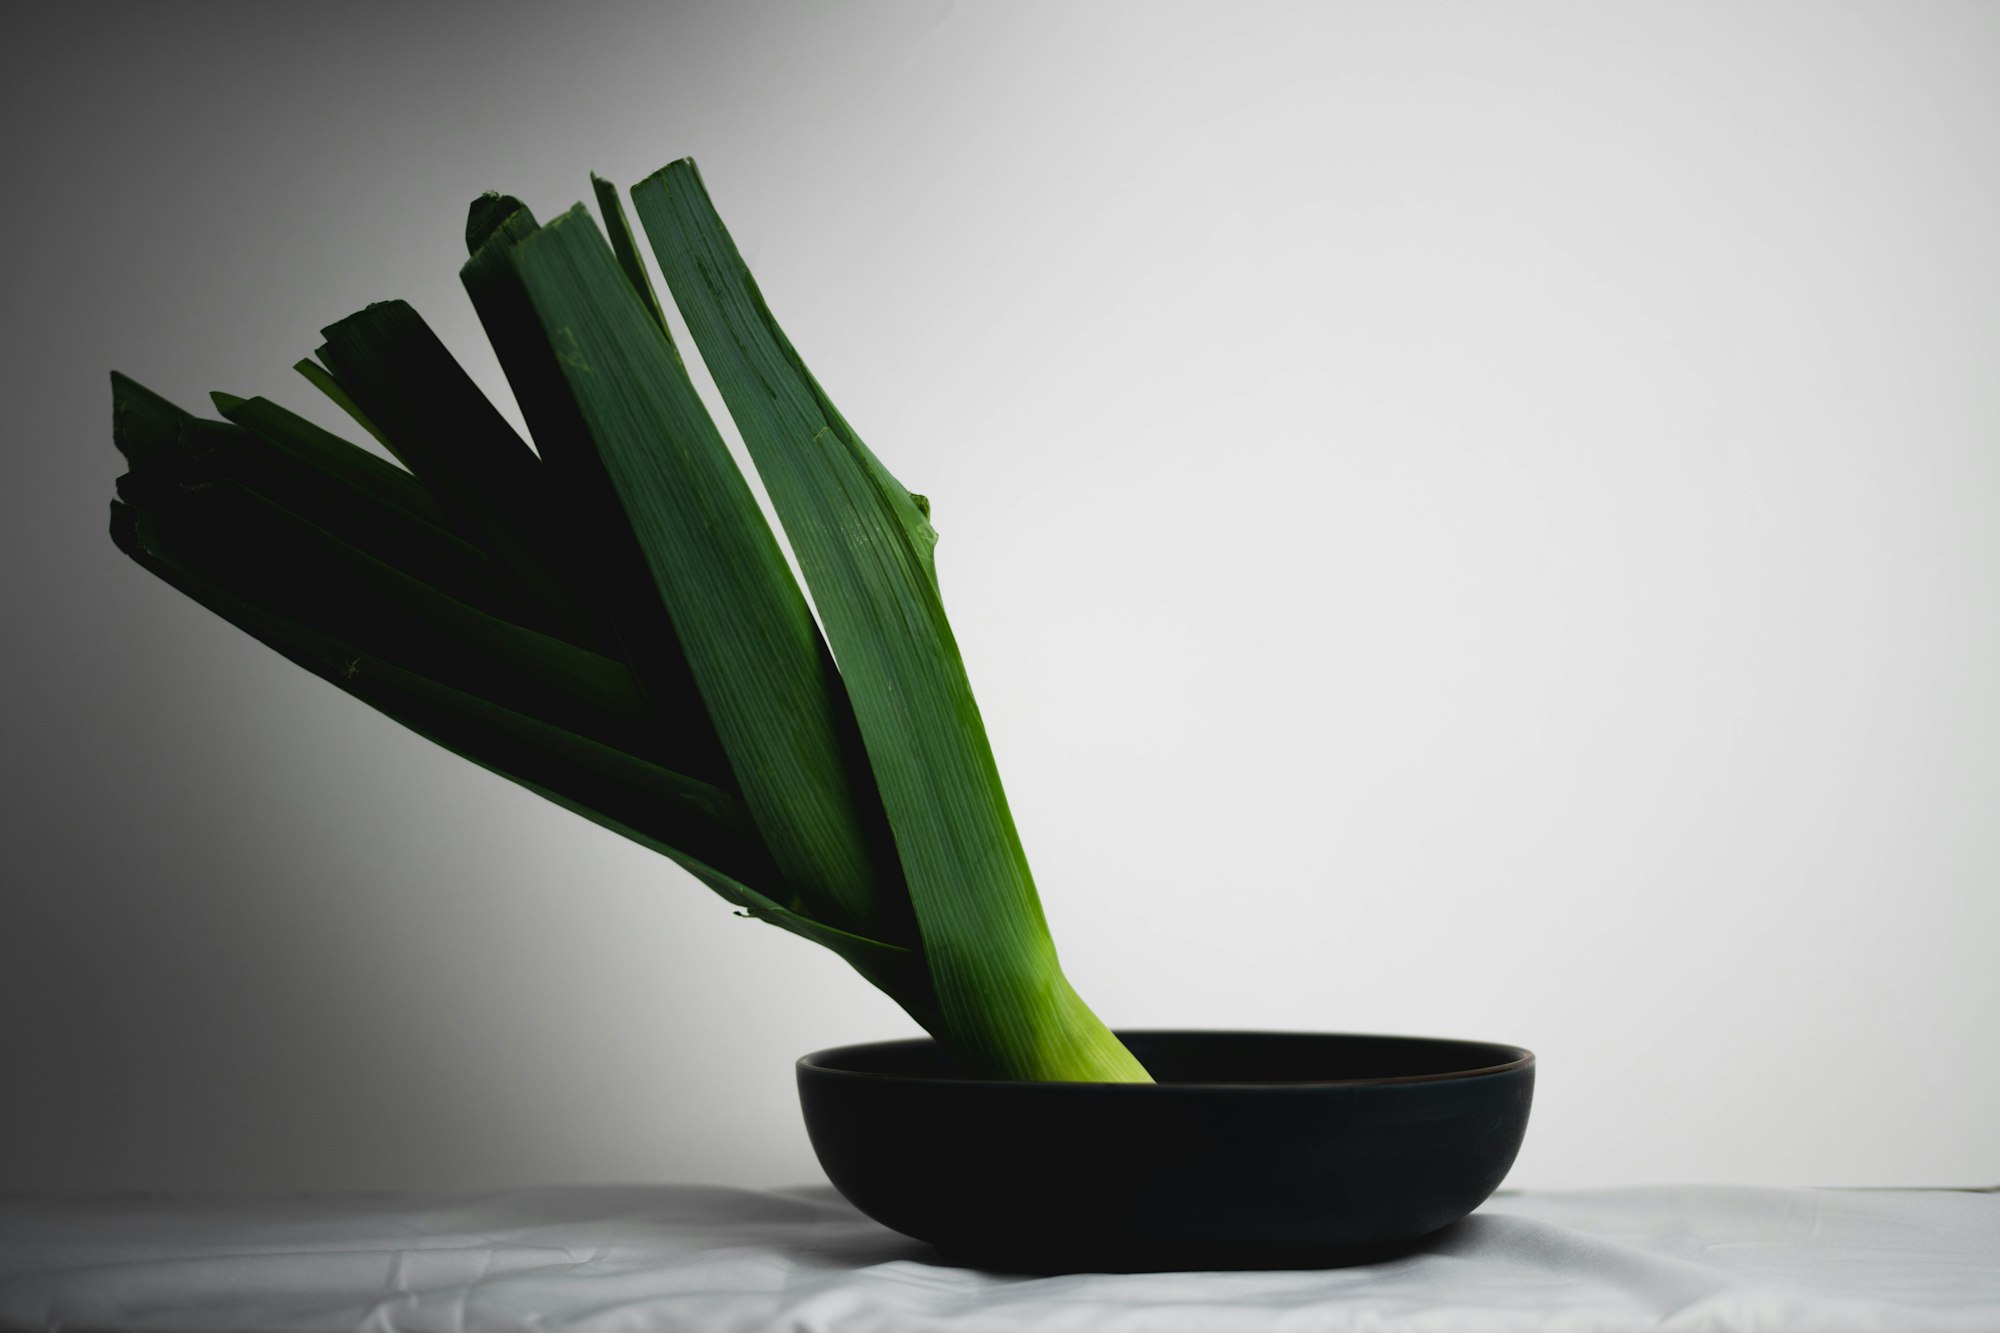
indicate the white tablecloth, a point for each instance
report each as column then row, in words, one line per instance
column 715, row 1260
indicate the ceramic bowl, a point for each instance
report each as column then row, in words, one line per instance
column 1251, row 1150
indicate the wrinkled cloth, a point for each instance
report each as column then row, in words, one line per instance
column 686, row 1257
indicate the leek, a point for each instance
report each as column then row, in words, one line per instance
column 602, row 614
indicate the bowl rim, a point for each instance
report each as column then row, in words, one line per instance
column 817, row 1063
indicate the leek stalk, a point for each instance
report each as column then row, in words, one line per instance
column 603, row 615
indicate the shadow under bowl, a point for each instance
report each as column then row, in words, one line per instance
column 1251, row 1149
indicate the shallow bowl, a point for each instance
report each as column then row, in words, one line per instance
column 1251, row 1150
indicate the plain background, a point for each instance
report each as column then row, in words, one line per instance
column 1464, row 519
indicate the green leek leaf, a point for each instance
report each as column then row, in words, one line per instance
column 322, row 449
column 646, row 801
column 750, row 640
column 865, row 546
column 274, row 558
column 620, row 232
column 461, row 448
column 182, row 452
column 583, row 505
column 323, row 379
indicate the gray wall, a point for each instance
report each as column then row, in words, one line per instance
column 1466, row 519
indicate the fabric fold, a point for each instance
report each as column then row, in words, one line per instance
column 599, row 1259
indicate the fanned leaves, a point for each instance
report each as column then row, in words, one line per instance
column 352, row 495
column 652, row 803
column 606, row 618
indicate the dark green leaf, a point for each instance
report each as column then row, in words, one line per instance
column 323, row 379
column 749, row 638
column 316, row 476
column 488, row 213
column 456, row 442
column 620, row 232
column 652, row 804
column 582, row 503
column 865, row 546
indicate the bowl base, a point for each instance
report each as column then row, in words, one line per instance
column 1046, row 1263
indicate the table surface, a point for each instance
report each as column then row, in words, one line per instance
column 661, row 1257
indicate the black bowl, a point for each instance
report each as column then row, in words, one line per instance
column 1252, row 1150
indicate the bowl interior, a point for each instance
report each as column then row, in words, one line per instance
column 1226, row 1058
